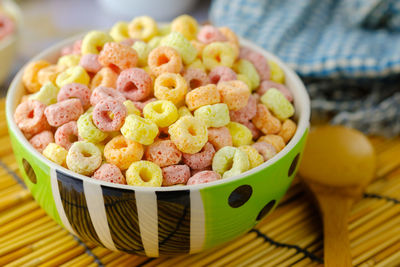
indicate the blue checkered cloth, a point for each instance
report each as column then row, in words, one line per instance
column 346, row 51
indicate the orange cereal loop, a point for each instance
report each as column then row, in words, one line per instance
column 265, row 121
column 230, row 35
column 30, row 76
column 170, row 86
column 288, row 130
column 275, row 140
column 118, row 57
column 48, row 74
column 201, row 96
column 199, row 47
column 164, row 59
column 234, row 93
column 105, row 77
column 122, row 152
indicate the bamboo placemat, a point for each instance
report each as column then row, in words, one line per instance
column 290, row 236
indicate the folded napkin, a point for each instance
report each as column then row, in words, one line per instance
column 346, row 51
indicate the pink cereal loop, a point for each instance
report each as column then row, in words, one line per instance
column 175, row 174
column 221, row 74
column 75, row 90
column 41, row 140
column 63, row 112
column 102, row 93
column 253, row 129
column 101, row 115
column 109, row 173
column 219, row 137
column 76, row 47
column 7, row 26
column 195, row 78
column 258, row 60
column 163, row 153
column 90, row 62
column 203, row 177
column 135, row 84
column 30, row 117
column 246, row 113
column 202, row 159
column 67, row 134
column 266, row 85
column 129, row 41
column 266, row 150
column 209, row 34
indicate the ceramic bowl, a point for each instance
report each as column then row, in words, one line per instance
column 9, row 45
column 162, row 220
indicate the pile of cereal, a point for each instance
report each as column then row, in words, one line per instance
column 151, row 105
column 7, row 25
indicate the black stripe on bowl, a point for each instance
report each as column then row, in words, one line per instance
column 122, row 217
column 75, row 207
column 173, row 222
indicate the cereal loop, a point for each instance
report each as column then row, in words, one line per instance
column 122, row 152
column 288, row 130
column 73, row 75
column 186, row 25
column 230, row 161
column 47, row 94
column 119, row 32
column 258, row 60
column 175, row 174
column 164, row 59
column 265, row 121
column 216, row 115
column 88, row 131
column 56, row 153
column 75, row 90
column 48, row 74
column 255, row 158
column 278, row 104
column 142, row 28
column 246, row 68
column 177, row 41
column 118, row 57
column 241, row 135
column 144, row 173
column 63, row 112
column 163, row 153
column 265, row 149
column 188, row 134
column 246, row 113
column 277, row 74
column 67, row 134
column 83, row 158
column 234, row 93
column 94, row 41
column 41, row 140
column 221, row 74
column 203, row 177
column 134, row 84
column 200, row 160
column 266, row 85
column 209, row 34
column 30, row 117
column 68, row 61
column 143, row 50
column 201, row 96
column 170, row 86
column 30, row 75
column 140, row 130
column 218, row 54
column 90, row 62
column 103, row 93
column 109, row 173
column 195, row 78
column 219, row 137
column 161, row 112
column 109, row 115
column 131, row 108
column 275, row 140
column 105, row 77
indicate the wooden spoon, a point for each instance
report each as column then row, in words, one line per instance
column 338, row 163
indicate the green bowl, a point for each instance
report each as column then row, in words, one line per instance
column 161, row 220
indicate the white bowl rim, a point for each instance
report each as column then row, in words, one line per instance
column 299, row 89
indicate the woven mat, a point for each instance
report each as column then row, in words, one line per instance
column 290, row 236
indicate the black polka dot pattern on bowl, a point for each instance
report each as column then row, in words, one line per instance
column 293, row 166
column 29, row 171
column 267, row 208
column 240, row 196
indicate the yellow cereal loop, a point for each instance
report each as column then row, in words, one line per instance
column 186, row 25
column 119, row 32
column 244, row 79
column 56, row 153
column 164, row 29
column 143, row 50
column 143, row 27
column 197, row 64
column 73, row 75
column 241, row 135
column 277, row 74
column 184, row 111
column 199, row 47
column 171, row 87
column 139, row 129
column 216, row 115
column 247, row 68
column 131, row 108
column 275, row 140
column 161, row 112
column 47, row 94
column 87, row 130
column 83, row 157
column 278, row 104
column 218, row 54
column 230, row 161
column 30, row 75
column 69, row 61
column 254, row 157
column 48, row 74
column 177, row 41
column 94, row 41
column 144, row 173
column 189, row 134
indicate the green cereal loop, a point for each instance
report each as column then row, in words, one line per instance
column 216, row 115
column 177, row 41
column 88, row 131
column 143, row 50
column 278, row 104
column 47, row 94
column 243, row 78
column 241, row 135
column 164, row 29
column 139, row 129
column 230, row 161
column 154, row 42
column 247, row 68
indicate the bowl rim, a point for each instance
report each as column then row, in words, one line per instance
column 302, row 99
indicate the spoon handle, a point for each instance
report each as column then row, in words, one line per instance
column 335, row 211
